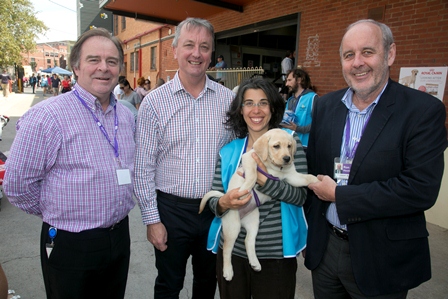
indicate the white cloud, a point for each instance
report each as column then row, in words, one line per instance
column 59, row 16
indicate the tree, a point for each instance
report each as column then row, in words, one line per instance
column 20, row 27
column 33, row 65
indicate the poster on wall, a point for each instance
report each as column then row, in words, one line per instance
column 427, row 79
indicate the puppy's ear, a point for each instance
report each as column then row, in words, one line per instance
column 261, row 147
column 293, row 147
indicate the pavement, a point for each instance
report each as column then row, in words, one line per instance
column 19, row 245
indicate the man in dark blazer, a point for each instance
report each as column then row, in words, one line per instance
column 367, row 233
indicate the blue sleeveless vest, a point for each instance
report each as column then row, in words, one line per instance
column 303, row 113
column 294, row 226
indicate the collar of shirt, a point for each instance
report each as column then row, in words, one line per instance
column 92, row 101
column 347, row 99
column 177, row 85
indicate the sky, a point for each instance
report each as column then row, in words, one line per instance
column 60, row 18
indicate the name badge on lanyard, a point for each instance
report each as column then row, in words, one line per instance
column 342, row 166
column 123, row 174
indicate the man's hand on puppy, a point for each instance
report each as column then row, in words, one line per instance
column 234, row 199
column 325, row 189
column 157, row 235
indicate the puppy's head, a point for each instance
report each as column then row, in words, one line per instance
column 276, row 147
column 414, row 72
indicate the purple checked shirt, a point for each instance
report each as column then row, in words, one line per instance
column 178, row 140
column 62, row 168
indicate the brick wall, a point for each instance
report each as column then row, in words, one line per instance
column 420, row 29
column 148, row 35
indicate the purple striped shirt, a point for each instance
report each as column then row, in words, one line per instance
column 62, row 168
column 178, row 139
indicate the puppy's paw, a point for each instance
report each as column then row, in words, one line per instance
column 256, row 266
column 228, row 273
column 311, row 179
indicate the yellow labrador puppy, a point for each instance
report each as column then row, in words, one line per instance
column 276, row 149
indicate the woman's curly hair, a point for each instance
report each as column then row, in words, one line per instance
column 235, row 120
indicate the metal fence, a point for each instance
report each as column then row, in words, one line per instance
column 232, row 77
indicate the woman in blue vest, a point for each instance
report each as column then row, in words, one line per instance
column 257, row 108
column 300, row 104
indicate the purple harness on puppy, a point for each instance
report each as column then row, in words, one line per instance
column 255, row 201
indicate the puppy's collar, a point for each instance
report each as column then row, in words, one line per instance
column 267, row 174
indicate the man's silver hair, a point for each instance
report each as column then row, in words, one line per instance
column 190, row 23
column 388, row 38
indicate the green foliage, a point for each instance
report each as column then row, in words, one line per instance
column 33, row 65
column 19, row 29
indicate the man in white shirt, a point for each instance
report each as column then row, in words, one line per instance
column 287, row 63
column 118, row 92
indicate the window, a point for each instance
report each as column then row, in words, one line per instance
column 153, row 58
column 33, row 59
column 123, row 23
column 47, row 54
column 49, row 61
column 134, row 61
column 115, row 24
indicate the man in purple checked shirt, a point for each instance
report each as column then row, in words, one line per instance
column 72, row 164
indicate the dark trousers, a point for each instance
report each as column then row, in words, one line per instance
column 276, row 280
column 88, row 264
column 333, row 278
column 187, row 236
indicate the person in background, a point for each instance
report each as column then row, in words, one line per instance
column 55, row 84
column 66, row 84
column 257, row 108
column 118, row 92
column 174, row 168
column 77, row 175
column 143, row 88
column 367, row 235
column 44, row 84
column 221, row 64
column 287, row 64
column 5, row 78
column 159, row 83
column 300, row 104
column 49, row 88
column 129, row 94
column 38, row 79
column 33, row 82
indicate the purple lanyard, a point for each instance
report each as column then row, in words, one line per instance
column 351, row 154
column 100, row 125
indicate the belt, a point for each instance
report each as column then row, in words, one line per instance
column 117, row 224
column 175, row 198
column 339, row 232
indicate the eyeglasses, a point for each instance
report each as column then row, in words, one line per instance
column 121, row 87
column 250, row 104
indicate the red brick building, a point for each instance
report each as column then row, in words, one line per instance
column 47, row 55
column 266, row 28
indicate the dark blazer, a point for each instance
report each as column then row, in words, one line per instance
column 395, row 176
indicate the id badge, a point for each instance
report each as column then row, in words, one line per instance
column 123, row 176
column 342, row 168
column 49, row 248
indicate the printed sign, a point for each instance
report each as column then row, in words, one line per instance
column 427, row 79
